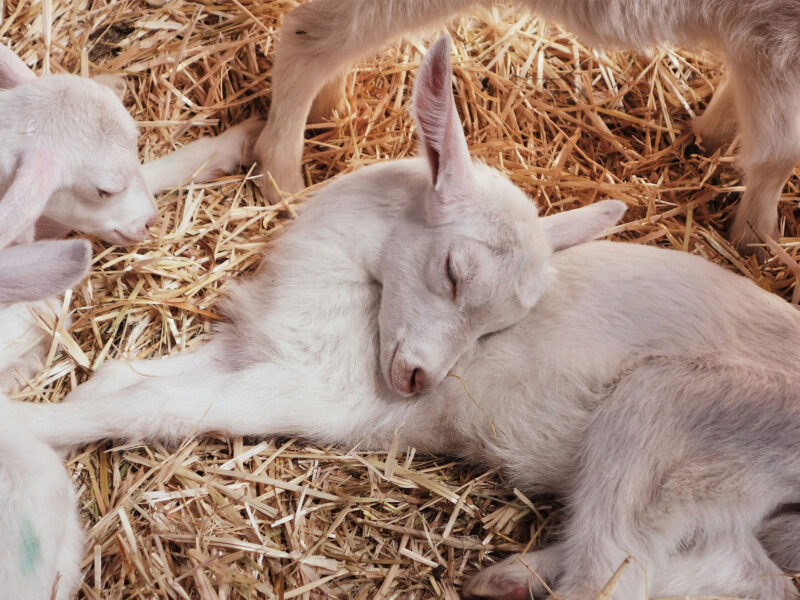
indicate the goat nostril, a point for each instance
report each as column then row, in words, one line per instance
column 414, row 380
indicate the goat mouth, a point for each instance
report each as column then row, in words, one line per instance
column 118, row 237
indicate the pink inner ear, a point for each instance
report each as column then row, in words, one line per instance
column 433, row 99
column 443, row 140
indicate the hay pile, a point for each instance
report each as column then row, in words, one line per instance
column 227, row 518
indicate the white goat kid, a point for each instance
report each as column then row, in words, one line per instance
column 761, row 39
column 69, row 156
column 655, row 390
column 69, row 161
column 30, row 277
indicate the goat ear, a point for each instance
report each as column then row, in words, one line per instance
column 116, row 83
column 48, row 229
column 442, row 138
column 35, row 180
column 13, row 71
column 574, row 227
column 30, row 272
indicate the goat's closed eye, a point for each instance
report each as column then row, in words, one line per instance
column 103, row 193
column 448, row 267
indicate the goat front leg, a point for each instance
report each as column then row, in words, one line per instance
column 204, row 159
column 260, row 400
column 769, row 109
column 319, row 40
column 114, row 375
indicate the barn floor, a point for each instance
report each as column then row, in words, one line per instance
column 230, row 518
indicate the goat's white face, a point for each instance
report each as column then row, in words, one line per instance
column 80, row 144
column 472, row 257
column 102, row 191
column 445, row 284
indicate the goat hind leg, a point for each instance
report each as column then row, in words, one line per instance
column 518, row 577
column 769, row 111
column 640, row 493
column 319, row 40
column 719, row 122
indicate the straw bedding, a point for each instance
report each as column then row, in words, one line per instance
column 230, row 518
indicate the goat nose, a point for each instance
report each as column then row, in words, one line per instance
column 418, row 380
column 152, row 220
column 409, row 378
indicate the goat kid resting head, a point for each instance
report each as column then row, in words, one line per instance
column 70, row 156
column 472, row 257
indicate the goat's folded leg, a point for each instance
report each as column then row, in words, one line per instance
column 658, row 483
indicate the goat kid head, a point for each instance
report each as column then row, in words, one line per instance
column 75, row 156
column 473, row 257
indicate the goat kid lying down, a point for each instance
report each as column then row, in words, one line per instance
column 42, row 540
column 69, row 156
column 760, row 99
column 655, row 391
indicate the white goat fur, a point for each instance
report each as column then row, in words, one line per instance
column 761, row 39
column 656, row 391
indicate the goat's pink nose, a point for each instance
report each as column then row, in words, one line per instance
column 152, row 221
column 409, row 378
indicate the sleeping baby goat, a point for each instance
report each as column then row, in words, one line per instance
column 69, row 158
column 69, row 161
column 673, row 444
